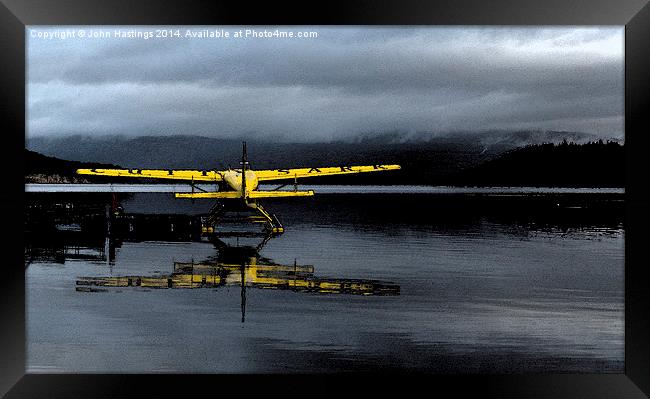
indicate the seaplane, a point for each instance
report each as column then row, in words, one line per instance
column 239, row 189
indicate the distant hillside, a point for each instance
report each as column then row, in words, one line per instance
column 209, row 153
column 183, row 152
column 596, row 164
column 43, row 169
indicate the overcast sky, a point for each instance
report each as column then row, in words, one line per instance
column 345, row 82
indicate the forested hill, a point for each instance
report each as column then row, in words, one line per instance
column 596, row 164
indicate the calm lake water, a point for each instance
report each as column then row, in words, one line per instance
column 454, row 283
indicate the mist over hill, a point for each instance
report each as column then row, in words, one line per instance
column 498, row 139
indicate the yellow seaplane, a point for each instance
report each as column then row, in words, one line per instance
column 239, row 188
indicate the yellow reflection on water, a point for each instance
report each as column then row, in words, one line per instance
column 251, row 272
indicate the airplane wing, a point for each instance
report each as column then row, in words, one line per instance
column 283, row 174
column 196, row 175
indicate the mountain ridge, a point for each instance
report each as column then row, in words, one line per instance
column 178, row 151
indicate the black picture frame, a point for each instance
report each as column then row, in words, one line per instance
column 634, row 14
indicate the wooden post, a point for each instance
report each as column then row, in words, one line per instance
column 108, row 220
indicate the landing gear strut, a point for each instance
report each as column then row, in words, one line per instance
column 273, row 225
column 222, row 213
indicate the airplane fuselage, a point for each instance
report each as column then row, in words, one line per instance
column 234, row 179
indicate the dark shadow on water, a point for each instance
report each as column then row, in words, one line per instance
column 397, row 353
column 161, row 217
column 457, row 212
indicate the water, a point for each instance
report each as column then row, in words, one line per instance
column 486, row 284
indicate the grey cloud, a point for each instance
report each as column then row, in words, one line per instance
column 347, row 81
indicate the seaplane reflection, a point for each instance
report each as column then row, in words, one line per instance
column 244, row 267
